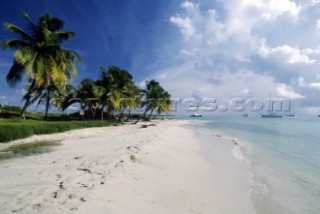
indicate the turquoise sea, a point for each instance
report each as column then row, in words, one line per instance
column 284, row 158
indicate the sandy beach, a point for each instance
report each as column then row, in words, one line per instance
column 164, row 168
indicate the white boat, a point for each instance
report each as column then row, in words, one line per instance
column 271, row 115
column 196, row 115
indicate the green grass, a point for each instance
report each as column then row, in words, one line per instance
column 133, row 158
column 14, row 128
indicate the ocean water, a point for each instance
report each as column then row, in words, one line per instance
column 284, row 158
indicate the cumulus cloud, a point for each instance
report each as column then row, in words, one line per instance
column 248, row 48
column 287, row 92
column 187, row 80
column 185, row 25
column 313, row 85
column 189, row 5
column 285, row 52
column 313, row 2
column 275, row 8
column 318, row 24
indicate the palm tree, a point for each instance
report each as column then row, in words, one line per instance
column 114, row 88
column 102, row 89
column 51, row 95
column 84, row 94
column 131, row 98
column 40, row 56
column 156, row 98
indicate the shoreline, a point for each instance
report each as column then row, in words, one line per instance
column 167, row 168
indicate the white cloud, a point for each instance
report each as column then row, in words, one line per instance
column 312, row 85
column 279, row 7
column 185, row 52
column 289, row 54
column 245, row 91
column 315, row 85
column 250, row 48
column 271, row 9
column 21, row 91
column 189, row 5
column 318, row 24
column 187, row 79
column 287, row 92
column 313, row 2
column 185, row 25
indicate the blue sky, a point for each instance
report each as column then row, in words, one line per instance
column 223, row 49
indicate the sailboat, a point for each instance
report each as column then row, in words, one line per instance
column 271, row 114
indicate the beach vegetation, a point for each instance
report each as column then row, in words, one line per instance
column 14, row 128
column 133, row 158
column 39, row 55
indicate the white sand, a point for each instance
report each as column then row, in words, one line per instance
column 92, row 172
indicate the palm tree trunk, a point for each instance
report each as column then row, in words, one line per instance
column 102, row 112
column 139, row 117
column 26, row 105
column 93, row 112
column 47, row 104
column 121, row 114
column 144, row 115
column 155, row 116
column 150, row 114
column 127, row 120
column 28, row 98
column 109, row 110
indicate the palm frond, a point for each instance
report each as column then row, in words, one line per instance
column 26, row 16
column 60, row 36
column 15, row 29
column 24, row 55
column 71, row 55
column 55, row 24
column 14, row 43
column 15, row 74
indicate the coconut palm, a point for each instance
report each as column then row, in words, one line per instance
column 40, row 56
column 131, row 98
column 156, row 99
column 113, row 88
column 85, row 95
column 51, row 95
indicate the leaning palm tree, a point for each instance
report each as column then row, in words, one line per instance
column 156, row 99
column 83, row 94
column 40, row 56
column 51, row 95
column 131, row 98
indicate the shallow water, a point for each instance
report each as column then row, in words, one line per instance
column 23, row 150
column 284, row 157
